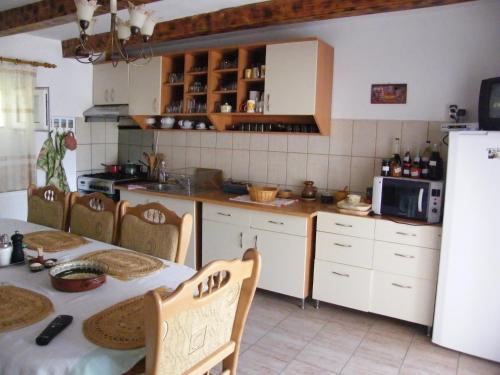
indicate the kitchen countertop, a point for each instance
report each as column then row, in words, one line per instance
column 299, row 208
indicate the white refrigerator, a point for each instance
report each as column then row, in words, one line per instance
column 467, row 315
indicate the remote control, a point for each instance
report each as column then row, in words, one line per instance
column 53, row 329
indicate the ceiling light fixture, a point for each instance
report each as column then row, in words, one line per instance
column 141, row 22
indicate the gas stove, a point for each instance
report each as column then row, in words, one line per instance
column 104, row 183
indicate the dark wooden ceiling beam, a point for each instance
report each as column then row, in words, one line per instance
column 269, row 13
column 47, row 13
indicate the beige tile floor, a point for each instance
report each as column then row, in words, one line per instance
column 280, row 338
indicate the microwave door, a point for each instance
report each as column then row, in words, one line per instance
column 404, row 199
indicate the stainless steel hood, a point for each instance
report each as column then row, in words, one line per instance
column 99, row 113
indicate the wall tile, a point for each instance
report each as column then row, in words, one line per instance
column 207, row 157
column 414, row 135
column 122, row 153
column 387, row 130
column 364, row 136
column 259, row 142
column 223, row 161
column 164, row 138
column 111, row 132
column 296, row 171
column 193, row 156
column 239, row 165
column 193, row 139
column 317, row 170
column 361, row 174
column 318, row 144
column 208, row 139
column 224, row 140
column 178, row 159
column 179, row 138
column 258, row 166
column 83, row 157
column 82, row 131
column 276, row 168
column 339, row 172
column 98, row 132
column 297, row 143
column 135, row 137
column 341, row 137
column 135, row 152
column 377, row 168
column 278, row 143
column 241, row 141
column 112, row 153
column 123, row 136
column 148, row 139
column 98, row 156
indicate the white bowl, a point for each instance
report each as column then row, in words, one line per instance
column 167, row 121
column 150, row 121
column 353, row 199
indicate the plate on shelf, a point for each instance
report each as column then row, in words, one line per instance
column 343, row 204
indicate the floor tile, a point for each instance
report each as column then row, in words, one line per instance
column 303, row 326
column 282, row 343
column 257, row 361
column 255, row 330
column 301, row 368
column 469, row 365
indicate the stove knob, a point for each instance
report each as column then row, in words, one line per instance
column 434, row 210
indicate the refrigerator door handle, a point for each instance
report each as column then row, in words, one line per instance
column 420, row 198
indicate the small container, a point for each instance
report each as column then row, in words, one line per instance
column 326, row 197
column 255, row 72
column 386, row 168
column 262, row 71
column 309, row 192
column 248, row 73
column 36, row 267
column 5, row 250
column 226, row 108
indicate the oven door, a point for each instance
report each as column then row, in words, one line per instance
column 405, row 198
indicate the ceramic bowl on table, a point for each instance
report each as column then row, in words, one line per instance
column 78, row 275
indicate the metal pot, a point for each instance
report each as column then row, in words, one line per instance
column 131, row 169
column 111, row 168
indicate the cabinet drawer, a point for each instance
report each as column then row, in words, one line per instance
column 406, row 260
column 342, row 285
column 279, row 223
column 226, row 214
column 345, row 224
column 344, row 249
column 417, row 235
column 403, row 297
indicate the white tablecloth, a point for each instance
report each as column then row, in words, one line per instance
column 70, row 352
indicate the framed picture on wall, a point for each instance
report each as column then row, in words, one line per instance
column 389, row 93
column 41, row 108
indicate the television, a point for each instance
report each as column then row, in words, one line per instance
column 489, row 104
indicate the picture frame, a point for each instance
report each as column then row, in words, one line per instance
column 388, row 93
column 41, row 109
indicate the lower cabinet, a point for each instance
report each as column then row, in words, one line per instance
column 179, row 206
column 227, row 232
column 378, row 266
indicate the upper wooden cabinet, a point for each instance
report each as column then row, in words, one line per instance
column 110, row 84
column 146, row 82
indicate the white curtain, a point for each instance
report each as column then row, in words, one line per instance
column 17, row 159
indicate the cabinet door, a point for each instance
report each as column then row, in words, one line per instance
column 223, row 241
column 283, row 262
column 290, row 85
column 145, row 88
column 110, row 85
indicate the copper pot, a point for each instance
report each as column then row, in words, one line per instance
column 111, row 168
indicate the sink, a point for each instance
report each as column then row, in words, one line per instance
column 164, row 187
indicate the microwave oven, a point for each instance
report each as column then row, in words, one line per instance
column 408, row 198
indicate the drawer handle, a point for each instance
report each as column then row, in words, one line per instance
column 276, row 222
column 404, row 255
column 340, row 274
column 344, row 225
column 341, row 244
column 241, row 240
column 406, row 234
column 223, row 214
column 402, row 286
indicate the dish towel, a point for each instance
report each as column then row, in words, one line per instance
column 50, row 160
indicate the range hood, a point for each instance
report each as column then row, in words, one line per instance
column 99, row 113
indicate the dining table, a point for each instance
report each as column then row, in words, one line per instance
column 70, row 352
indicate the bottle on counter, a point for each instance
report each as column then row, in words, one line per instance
column 415, row 169
column 407, row 164
column 162, row 172
column 424, row 162
column 386, row 168
column 435, row 164
column 396, row 165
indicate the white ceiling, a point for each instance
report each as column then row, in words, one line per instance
column 7, row 4
column 165, row 10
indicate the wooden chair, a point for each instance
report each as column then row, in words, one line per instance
column 201, row 324
column 155, row 230
column 48, row 206
column 95, row 216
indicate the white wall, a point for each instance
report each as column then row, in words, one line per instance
column 442, row 53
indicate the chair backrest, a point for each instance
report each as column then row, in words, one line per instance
column 155, row 230
column 95, row 216
column 48, row 206
column 202, row 322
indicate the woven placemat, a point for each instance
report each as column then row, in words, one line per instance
column 125, row 265
column 120, row 326
column 52, row 241
column 21, row 307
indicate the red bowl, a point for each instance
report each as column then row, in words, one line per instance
column 78, row 276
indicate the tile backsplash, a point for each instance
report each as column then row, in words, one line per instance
column 350, row 156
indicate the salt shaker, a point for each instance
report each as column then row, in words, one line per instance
column 5, row 250
column 17, row 248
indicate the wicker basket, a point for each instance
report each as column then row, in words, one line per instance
column 262, row 193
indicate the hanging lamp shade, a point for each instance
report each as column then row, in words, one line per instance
column 149, row 25
column 85, row 9
column 123, row 29
column 138, row 15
